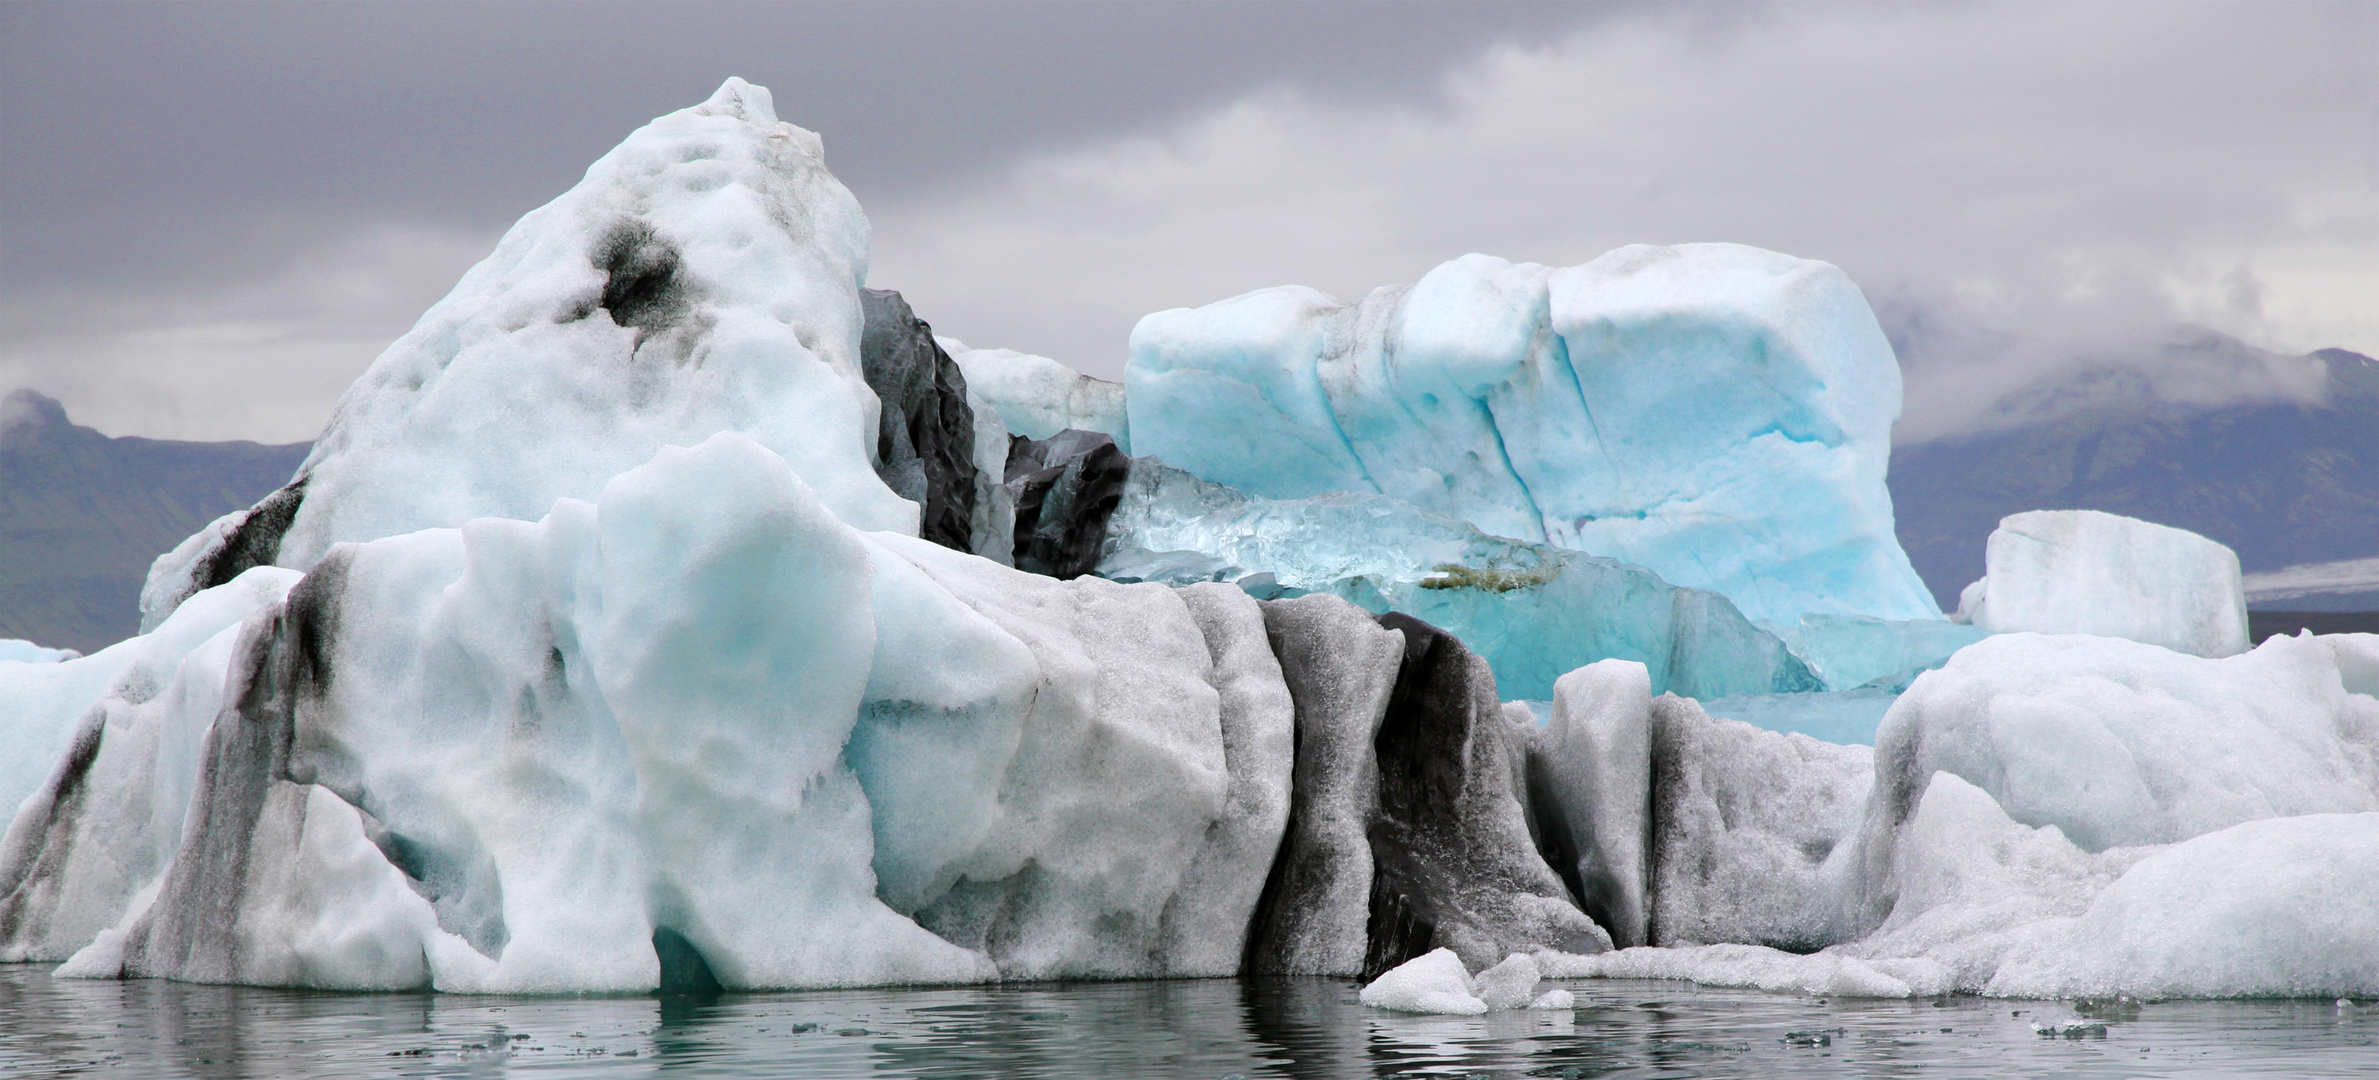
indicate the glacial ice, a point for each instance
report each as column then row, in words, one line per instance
column 1846, row 652
column 2088, row 572
column 1533, row 611
column 44, row 707
column 703, row 277
column 1717, row 413
column 1038, row 397
column 559, row 755
column 1836, row 716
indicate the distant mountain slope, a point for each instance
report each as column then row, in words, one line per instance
column 82, row 515
column 2282, row 484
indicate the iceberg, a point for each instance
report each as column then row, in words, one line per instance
column 668, row 612
column 1676, row 828
column 1716, row 413
column 2089, row 572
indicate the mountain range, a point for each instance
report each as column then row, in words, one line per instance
column 2283, row 483
column 82, row 515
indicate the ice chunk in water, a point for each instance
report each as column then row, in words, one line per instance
column 1510, row 984
column 1434, row 982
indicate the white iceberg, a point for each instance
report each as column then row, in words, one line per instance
column 2087, row 572
column 703, row 277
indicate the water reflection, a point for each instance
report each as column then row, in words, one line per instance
column 1304, row 1029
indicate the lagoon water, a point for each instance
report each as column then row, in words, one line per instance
column 1201, row 1029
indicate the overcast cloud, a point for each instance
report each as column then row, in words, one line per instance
column 215, row 216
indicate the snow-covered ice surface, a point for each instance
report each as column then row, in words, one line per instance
column 2088, row 572
column 1717, row 413
column 1038, row 397
column 703, row 277
column 1535, row 612
column 2118, row 744
column 20, row 651
column 43, row 706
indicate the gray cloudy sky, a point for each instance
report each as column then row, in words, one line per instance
column 213, row 216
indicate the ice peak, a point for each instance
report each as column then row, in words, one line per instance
column 741, row 100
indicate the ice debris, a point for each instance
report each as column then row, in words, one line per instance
column 1717, row 413
column 1436, row 982
column 2088, row 572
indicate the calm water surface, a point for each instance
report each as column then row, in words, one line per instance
column 1203, row 1029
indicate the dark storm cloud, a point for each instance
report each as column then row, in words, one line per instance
column 140, row 140
column 212, row 217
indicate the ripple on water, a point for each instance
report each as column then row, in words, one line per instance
column 1309, row 1029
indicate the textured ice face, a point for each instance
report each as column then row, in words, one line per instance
column 2118, row 743
column 703, row 277
column 110, row 813
column 2087, row 572
column 42, row 706
column 701, row 722
column 1676, row 828
column 1717, row 413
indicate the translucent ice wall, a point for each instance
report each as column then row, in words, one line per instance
column 1717, row 413
column 1535, row 612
